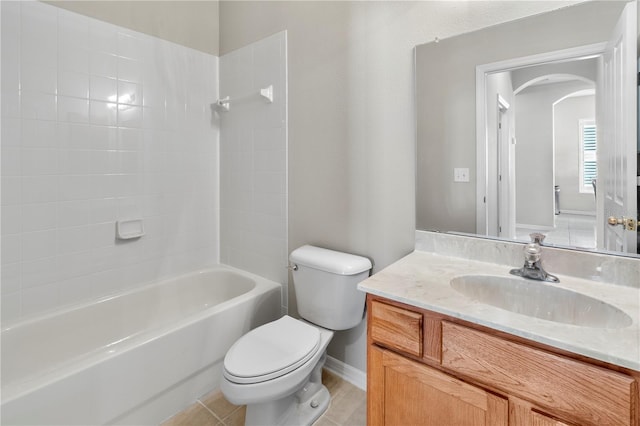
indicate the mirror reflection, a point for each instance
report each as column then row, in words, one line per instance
column 530, row 126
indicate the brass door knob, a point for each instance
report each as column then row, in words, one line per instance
column 628, row 222
column 615, row 221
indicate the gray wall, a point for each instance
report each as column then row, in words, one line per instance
column 190, row 23
column 535, row 152
column 446, row 100
column 534, row 157
column 351, row 117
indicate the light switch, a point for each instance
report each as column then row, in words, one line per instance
column 461, row 175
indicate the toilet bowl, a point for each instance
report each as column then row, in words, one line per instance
column 276, row 369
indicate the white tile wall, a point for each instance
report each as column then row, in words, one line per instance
column 253, row 160
column 100, row 123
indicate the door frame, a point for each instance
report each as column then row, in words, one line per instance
column 482, row 160
column 506, row 180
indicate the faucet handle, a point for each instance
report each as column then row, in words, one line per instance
column 532, row 252
column 537, row 237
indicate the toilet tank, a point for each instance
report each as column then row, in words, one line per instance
column 325, row 283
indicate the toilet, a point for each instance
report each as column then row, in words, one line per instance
column 276, row 369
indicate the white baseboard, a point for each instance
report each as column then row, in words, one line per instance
column 346, row 372
column 534, row 227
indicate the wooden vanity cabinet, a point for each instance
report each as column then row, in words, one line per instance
column 411, row 391
column 425, row 368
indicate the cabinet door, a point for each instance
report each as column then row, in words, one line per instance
column 415, row 394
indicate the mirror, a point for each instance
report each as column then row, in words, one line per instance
column 514, row 131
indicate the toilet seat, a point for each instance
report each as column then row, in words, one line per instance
column 271, row 351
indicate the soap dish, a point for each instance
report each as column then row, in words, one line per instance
column 129, row 229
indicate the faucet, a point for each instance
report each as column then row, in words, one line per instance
column 532, row 268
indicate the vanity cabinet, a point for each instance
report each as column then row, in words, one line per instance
column 412, row 390
column 426, row 368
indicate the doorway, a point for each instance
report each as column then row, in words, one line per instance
column 616, row 109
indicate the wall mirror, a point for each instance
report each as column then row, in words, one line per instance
column 531, row 126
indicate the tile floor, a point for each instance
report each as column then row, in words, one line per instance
column 348, row 407
column 571, row 230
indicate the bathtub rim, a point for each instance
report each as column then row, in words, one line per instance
column 18, row 389
column 29, row 319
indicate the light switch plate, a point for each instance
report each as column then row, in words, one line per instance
column 461, row 174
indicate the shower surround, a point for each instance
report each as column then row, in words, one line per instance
column 253, row 160
column 100, row 124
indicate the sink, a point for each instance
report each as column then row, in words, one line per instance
column 540, row 300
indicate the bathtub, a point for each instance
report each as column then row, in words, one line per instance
column 133, row 358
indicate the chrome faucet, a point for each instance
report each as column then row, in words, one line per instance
column 532, row 268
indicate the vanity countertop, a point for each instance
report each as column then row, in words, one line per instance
column 422, row 279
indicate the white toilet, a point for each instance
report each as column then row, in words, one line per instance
column 276, row 369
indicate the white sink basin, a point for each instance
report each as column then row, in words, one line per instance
column 540, row 300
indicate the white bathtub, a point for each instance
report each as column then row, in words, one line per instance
column 134, row 358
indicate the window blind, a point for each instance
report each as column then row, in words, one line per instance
column 589, row 144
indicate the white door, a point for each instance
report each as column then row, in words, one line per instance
column 617, row 136
column 506, row 175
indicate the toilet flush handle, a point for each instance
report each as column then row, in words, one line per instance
column 293, row 267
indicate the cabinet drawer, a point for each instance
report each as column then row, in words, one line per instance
column 568, row 388
column 396, row 328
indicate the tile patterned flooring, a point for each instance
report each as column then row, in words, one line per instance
column 348, row 407
column 571, row 230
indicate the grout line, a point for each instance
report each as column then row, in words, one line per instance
column 210, row 411
column 231, row 414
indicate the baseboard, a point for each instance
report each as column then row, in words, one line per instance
column 534, row 227
column 346, row 372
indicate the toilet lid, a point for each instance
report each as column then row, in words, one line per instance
column 271, row 350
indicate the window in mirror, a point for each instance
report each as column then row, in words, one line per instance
column 588, row 143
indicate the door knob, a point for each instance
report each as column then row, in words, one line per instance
column 628, row 222
column 615, row 221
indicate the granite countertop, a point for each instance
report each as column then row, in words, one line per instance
column 422, row 279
